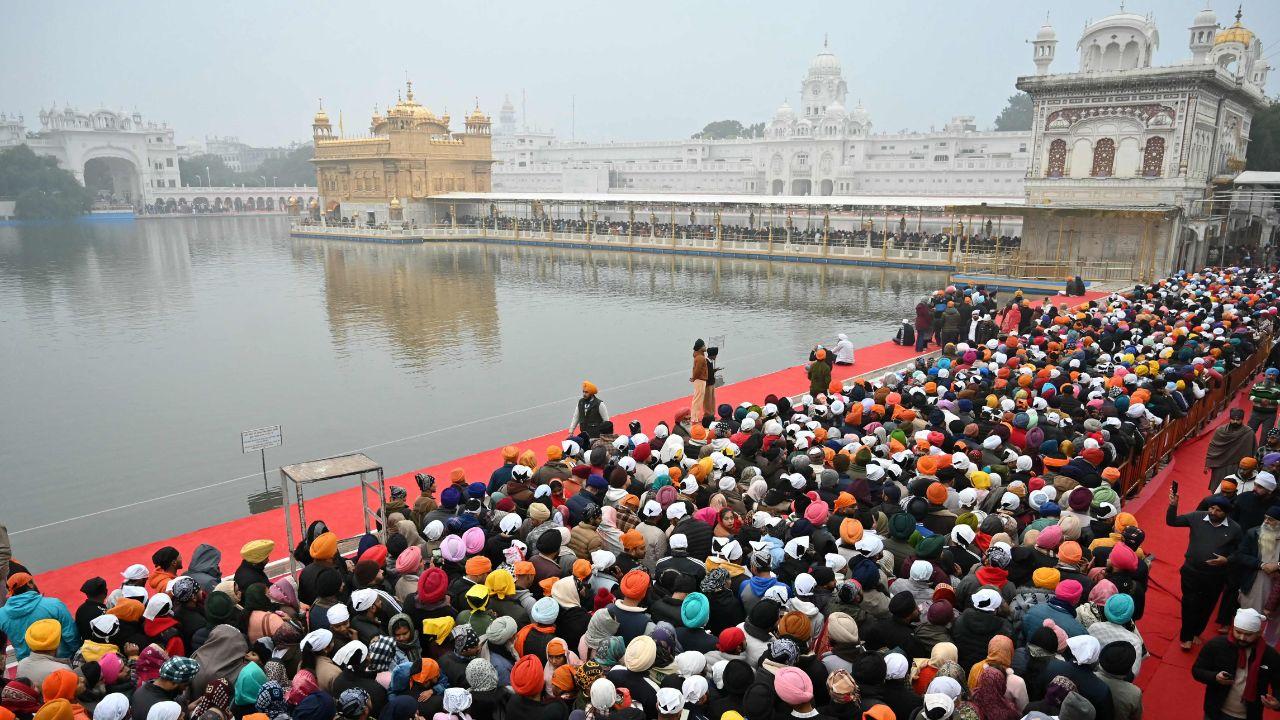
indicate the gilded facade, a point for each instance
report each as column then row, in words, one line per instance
column 409, row 155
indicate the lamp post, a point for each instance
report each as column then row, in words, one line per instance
column 208, row 178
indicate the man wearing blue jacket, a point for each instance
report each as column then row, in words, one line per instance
column 25, row 606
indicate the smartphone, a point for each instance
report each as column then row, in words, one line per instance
column 1174, row 487
column 436, row 557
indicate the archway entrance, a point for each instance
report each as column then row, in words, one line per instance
column 801, row 187
column 826, row 187
column 778, row 187
column 112, row 180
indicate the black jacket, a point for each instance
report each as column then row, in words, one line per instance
column 972, row 632
column 1220, row 655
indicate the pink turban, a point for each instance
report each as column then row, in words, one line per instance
column 410, row 561
column 817, row 513
column 793, row 686
column 453, row 549
column 473, row 540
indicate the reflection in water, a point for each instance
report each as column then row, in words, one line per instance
column 135, row 353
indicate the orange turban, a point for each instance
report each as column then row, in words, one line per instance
column 127, row 609
column 57, row 710
column 1124, row 520
column 1110, row 474
column 478, row 565
column 528, row 459
column 675, row 474
column 60, row 684
column 581, row 569
column 325, row 547
column 589, row 387
column 430, row 671
column 632, row 539
column 1248, row 463
column 545, row 584
column 795, row 624
column 523, row 567
column 820, row 355
column 850, row 530
column 635, row 585
column 562, row 678
column 1227, row 486
column 927, row 465
column 457, row 475
column 1070, row 552
column 510, row 453
column 526, row 677
column 835, row 388
column 936, row 493
column 556, row 647
column 844, row 500
column 554, row 452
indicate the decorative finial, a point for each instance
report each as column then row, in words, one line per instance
column 408, row 93
column 321, row 103
column 824, row 41
column 1239, row 12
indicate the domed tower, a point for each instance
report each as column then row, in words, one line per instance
column 320, row 127
column 477, row 122
column 1203, row 29
column 1044, row 46
column 1237, row 50
column 507, row 116
column 823, row 85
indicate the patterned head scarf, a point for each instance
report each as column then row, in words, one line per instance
column 586, row 674
column 276, row 670
column 464, row 638
column 183, row 589
column 271, row 699
column 715, row 581
column 783, row 651
column 352, row 702
column 664, row 638
column 382, row 654
column 482, row 676
column 179, row 669
column 611, row 652
column 217, row 696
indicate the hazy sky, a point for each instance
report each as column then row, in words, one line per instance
column 639, row 70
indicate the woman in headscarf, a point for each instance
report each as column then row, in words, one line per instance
column 401, row 629
column 600, row 627
column 924, row 673
column 271, row 699
column 214, row 703
column 302, row 553
column 409, row 532
column 571, row 622
column 486, row 695
column 247, row 686
column 221, row 656
column 611, row 653
column 610, row 535
column 989, row 696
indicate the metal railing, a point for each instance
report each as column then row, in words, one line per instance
column 1159, row 446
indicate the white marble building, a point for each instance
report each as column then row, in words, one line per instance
column 116, row 155
column 823, row 148
column 1116, row 130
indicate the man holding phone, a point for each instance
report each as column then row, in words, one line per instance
column 1240, row 671
column 1213, row 538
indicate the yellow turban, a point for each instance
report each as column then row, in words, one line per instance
column 44, row 635
column 257, row 551
column 500, row 583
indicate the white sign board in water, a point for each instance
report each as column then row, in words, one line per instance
column 261, row 438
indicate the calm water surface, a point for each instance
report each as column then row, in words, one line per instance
column 133, row 354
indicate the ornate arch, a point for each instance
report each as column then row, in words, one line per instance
column 1057, row 158
column 1153, row 157
column 1104, row 158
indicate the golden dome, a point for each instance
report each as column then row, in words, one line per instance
column 477, row 116
column 1236, row 33
column 321, row 118
column 395, row 203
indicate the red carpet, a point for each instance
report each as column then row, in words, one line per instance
column 341, row 509
column 1168, row 688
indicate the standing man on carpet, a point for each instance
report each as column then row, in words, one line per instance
column 1240, row 671
column 700, row 376
column 590, row 412
column 1214, row 537
column 1230, row 444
